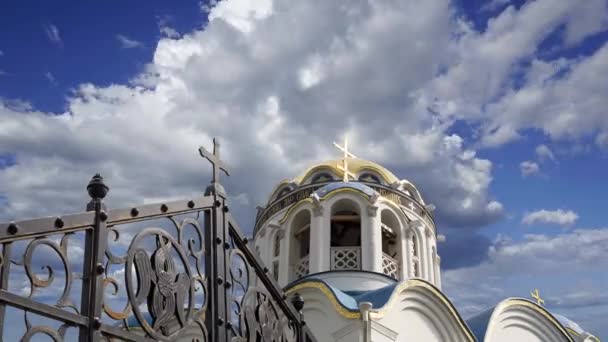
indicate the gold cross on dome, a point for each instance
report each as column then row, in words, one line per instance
column 536, row 296
column 343, row 164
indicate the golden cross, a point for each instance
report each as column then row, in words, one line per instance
column 343, row 165
column 536, row 296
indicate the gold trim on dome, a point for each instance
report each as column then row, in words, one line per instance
column 572, row 331
column 328, row 195
column 354, row 165
column 277, row 188
column 539, row 309
column 379, row 313
column 292, row 208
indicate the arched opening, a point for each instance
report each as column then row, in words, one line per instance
column 276, row 253
column 300, row 245
column 345, row 236
column 391, row 246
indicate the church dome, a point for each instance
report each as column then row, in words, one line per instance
column 355, row 165
column 359, row 170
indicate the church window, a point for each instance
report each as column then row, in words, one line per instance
column 414, row 246
column 284, row 192
column 321, row 178
column 369, row 177
column 275, row 270
column 300, row 245
column 277, row 245
column 391, row 243
column 345, row 236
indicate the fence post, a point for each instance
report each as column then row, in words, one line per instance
column 4, row 276
column 93, row 268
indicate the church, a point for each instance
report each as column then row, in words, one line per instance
column 359, row 245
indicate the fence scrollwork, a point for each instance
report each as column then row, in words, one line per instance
column 173, row 271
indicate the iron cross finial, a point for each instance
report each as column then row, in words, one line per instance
column 343, row 165
column 214, row 159
column 536, row 296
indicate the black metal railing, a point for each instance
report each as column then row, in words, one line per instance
column 173, row 271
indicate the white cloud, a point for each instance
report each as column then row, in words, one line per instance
column 239, row 80
column 339, row 69
column 128, row 43
column 50, row 77
column 529, row 168
column 559, row 216
column 52, row 33
column 514, row 268
column 543, row 152
column 165, row 30
column 169, row 32
column 560, row 97
column 242, row 14
column 493, row 5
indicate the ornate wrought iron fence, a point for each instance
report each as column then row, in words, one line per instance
column 179, row 271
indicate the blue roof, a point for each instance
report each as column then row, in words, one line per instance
column 351, row 299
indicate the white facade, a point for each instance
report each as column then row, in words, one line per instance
column 349, row 229
column 360, row 246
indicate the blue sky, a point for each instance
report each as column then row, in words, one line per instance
column 495, row 109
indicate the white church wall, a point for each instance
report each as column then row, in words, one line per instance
column 520, row 320
column 420, row 313
column 321, row 315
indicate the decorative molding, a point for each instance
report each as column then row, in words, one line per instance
column 384, row 330
column 427, row 231
column 317, row 207
column 262, row 232
column 409, row 232
column 394, row 298
column 374, row 198
column 344, row 331
column 372, row 210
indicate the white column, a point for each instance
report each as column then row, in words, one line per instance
column 316, row 241
column 407, row 253
column 284, row 259
column 422, row 254
column 438, row 271
column 429, row 254
column 325, row 245
column 374, row 238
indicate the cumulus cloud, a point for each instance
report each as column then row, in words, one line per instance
column 128, row 43
column 52, row 33
column 164, row 28
column 559, row 216
column 514, row 268
column 543, row 152
column 263, row 86
column 529, row 168
column 561, row 97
